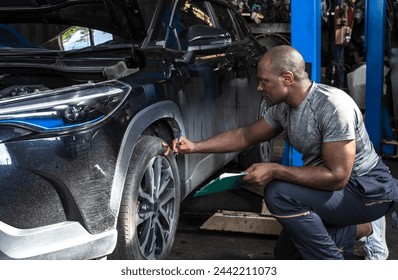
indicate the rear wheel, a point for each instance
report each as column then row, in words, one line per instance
column 150, row 204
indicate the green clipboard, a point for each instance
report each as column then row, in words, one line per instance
column 226, row 181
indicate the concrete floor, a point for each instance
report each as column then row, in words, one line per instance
column 194, row 243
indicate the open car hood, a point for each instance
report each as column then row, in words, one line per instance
column 120, row 17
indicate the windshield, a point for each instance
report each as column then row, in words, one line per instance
column 53, row 37
column 80, row 37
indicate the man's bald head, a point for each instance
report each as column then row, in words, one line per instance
column 285, row 58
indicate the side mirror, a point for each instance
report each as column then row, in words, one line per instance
column 207, row 39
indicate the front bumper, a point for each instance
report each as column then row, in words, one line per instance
column 55, row 196
column 67, row 240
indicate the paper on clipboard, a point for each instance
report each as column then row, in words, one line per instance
column 226, row 181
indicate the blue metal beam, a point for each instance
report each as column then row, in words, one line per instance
column 375, row 22
column 305, row 26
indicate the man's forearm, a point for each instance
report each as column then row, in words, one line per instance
column 316, row 177
column 229, row 141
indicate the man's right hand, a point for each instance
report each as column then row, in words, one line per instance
column 184, row 146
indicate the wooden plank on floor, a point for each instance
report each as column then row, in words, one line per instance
column 244, row 222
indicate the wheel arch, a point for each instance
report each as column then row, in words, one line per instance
column 164, row 110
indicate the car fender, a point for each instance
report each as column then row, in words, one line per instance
column 143, row 119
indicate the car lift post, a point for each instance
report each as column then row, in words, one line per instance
column 375, row 22
column 306, row 37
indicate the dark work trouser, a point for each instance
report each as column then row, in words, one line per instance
column 316, row 223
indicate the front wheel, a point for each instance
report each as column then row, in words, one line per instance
column 150, row 203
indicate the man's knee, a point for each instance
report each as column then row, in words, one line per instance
column 273, row 196
column 283, row 198
column 270, row 190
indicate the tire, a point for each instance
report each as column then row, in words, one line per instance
column 257, row 153
column 150, row 203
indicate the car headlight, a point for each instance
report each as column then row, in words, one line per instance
column 64, row 109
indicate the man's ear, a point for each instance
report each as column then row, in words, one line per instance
column 288, row 78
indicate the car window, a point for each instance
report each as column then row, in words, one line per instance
column 189, row 13
column 80, row 37
column 225, row 20
column 53, row 36
column 241, row 25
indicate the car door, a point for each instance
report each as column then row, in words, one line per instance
column 209, row 98
column 245, row 52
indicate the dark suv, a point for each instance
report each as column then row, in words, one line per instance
column 89, row 90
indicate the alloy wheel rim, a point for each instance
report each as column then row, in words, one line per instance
column 156, row 208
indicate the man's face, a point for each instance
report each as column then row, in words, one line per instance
column 271, row 86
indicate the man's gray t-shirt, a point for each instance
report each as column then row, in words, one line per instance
column 327, row 114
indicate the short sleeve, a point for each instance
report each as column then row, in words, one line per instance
column 338, row 121
column 274, row 116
